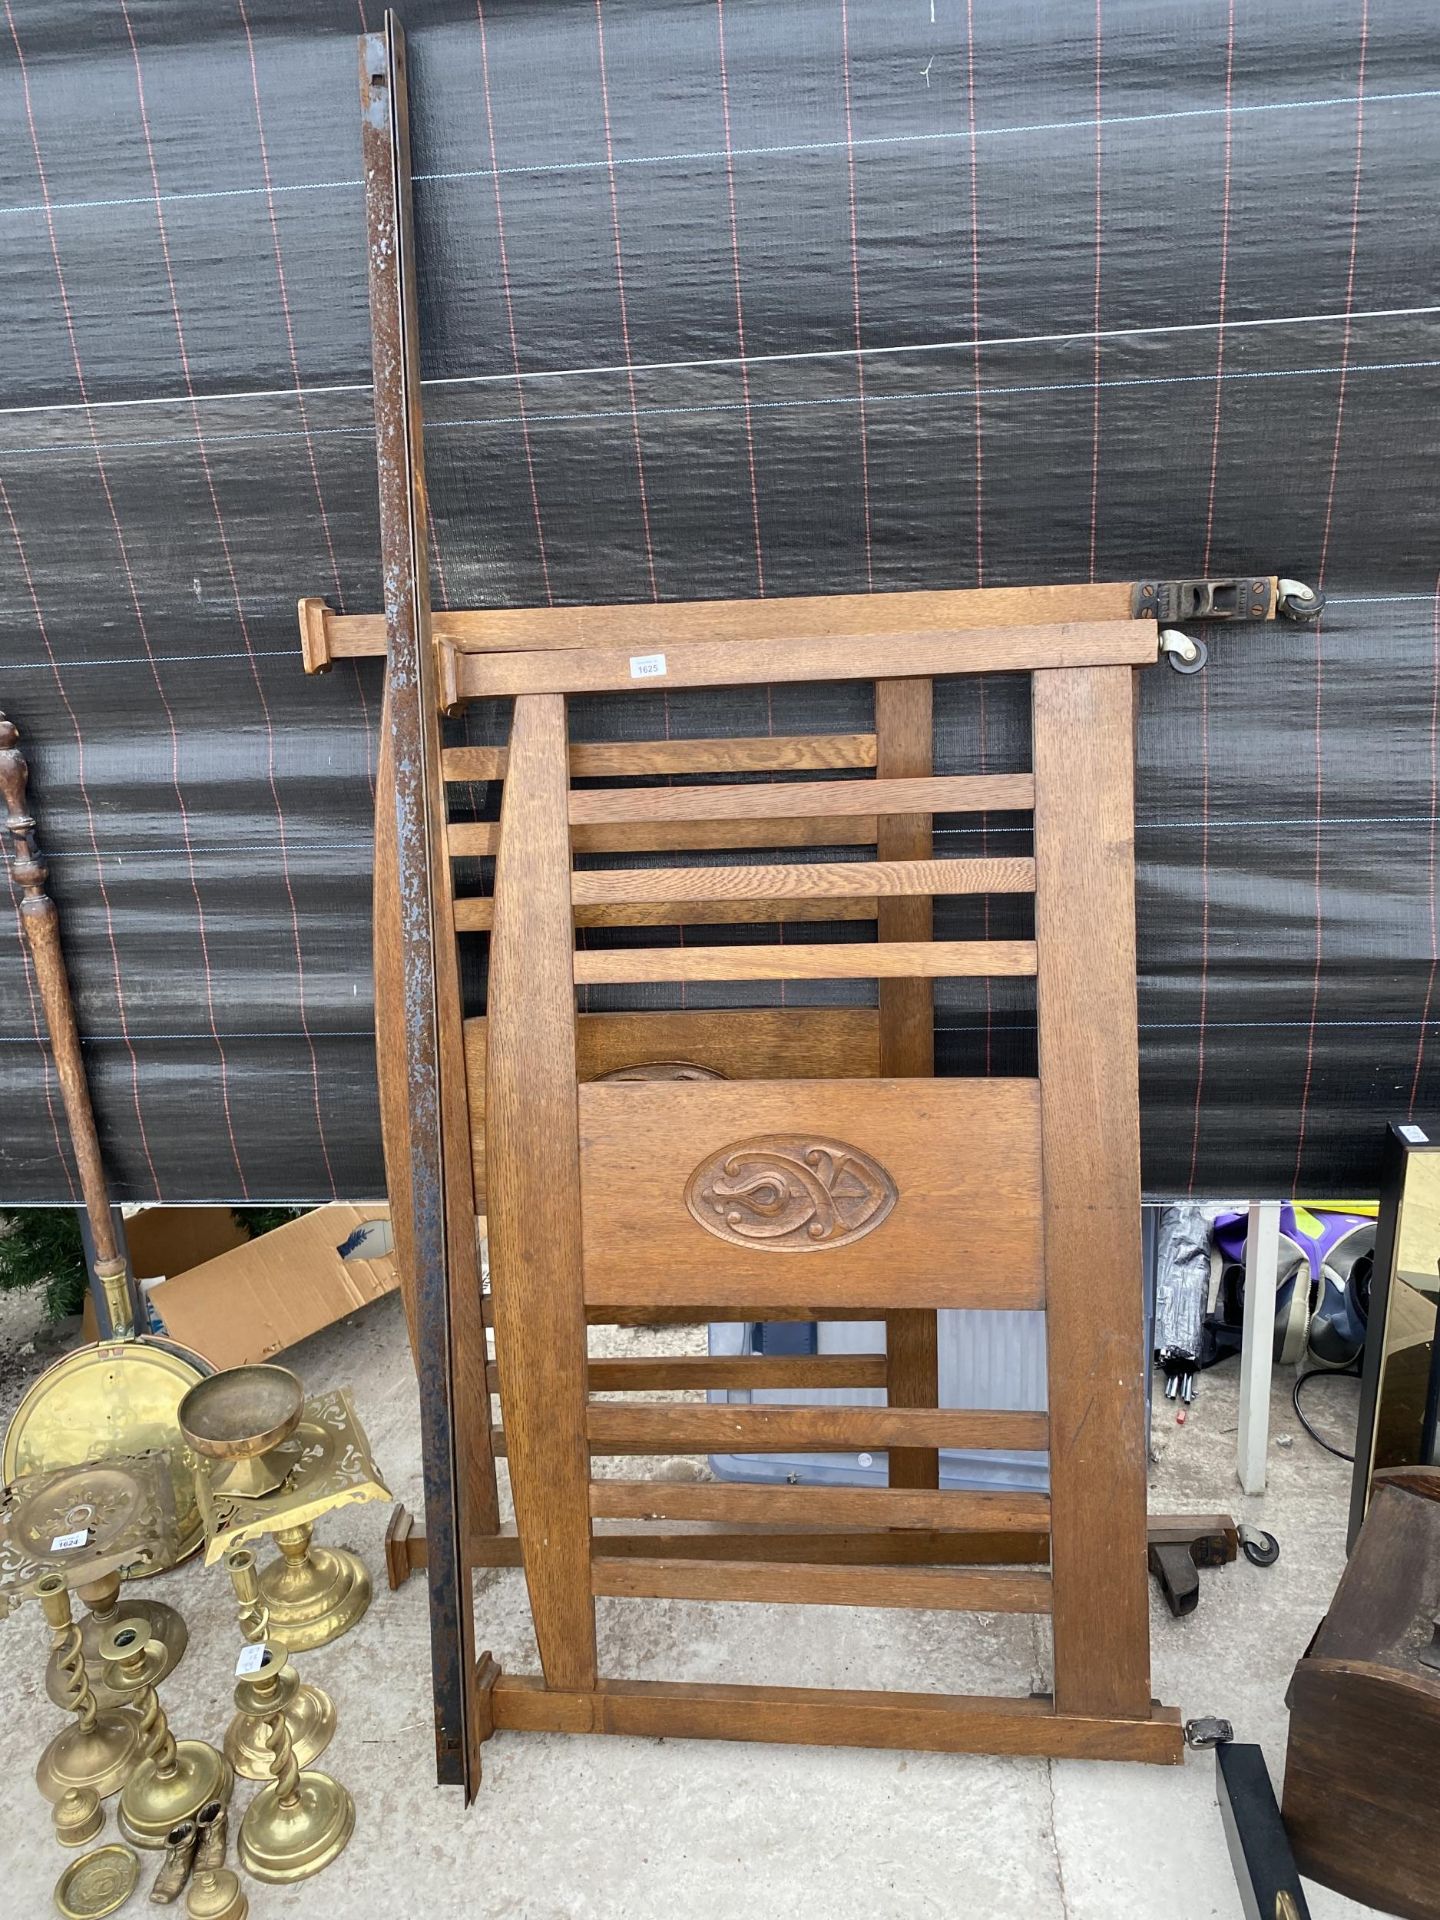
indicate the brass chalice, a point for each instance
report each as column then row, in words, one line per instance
column 240, row 1419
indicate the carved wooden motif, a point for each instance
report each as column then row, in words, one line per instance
column 664, row 1070
column 790, row 1193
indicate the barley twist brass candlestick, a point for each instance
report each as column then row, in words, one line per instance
column 174, row 1779
column 303, row 1819
column 310, row 1717
column 313, row 1594
column 102, row 1748
column 102, row 1598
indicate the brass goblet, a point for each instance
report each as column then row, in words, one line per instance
column 239, row 1419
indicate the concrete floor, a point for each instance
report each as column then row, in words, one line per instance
column 569, row 1826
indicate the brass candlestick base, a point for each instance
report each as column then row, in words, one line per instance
column 313, row 1594
column 102, row 1597
column 174, row 1779
column 100, row 1751
column 302, row 1820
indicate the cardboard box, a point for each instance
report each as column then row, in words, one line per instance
column 251, row 1299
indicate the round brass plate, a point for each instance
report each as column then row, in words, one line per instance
column 98, row 1884
column 243, row 1411
column 118, row 1398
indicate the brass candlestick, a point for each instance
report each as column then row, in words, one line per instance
column 310, row 1717
column 313, row 1594
column 303, row 1819
column 174, row 1779
column 101, row 1750
column 102, row 1598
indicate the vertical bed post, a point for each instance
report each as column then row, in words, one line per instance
column 420, row 869
column 1084, row 750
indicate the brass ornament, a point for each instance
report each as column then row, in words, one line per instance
column 173, row 1779
column 102, row 1748
column 313, row 1594
column 216, row 1894
column 102, row 1597
column 77, row 1816
column 237, row 1420
column 107, row 1403
column 175, row 1867
column 303, row 1819
column 98, row 1884
column 790, row 1193
column 310, row 1716
column 212, row 1834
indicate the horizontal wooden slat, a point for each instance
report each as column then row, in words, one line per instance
column 999, row 1512
column 835, row 1717
column 676, row 1372
column 875, row 1547
column 476, row 839
column 681, row 1428
column 821, row 1586
column 822, row 880
column 868, row 960
column 645, row 627
column 961, row 1155
column 777, row 753
column 840, row 656
column 939, row 793
column 474, row 914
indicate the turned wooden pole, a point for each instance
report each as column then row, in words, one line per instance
column 40, row 918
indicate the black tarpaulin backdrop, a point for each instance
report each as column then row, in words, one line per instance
column 815, row 296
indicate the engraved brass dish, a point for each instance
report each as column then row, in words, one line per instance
column 237, row 1420
column 97, row 1884
column 790, row 1193
column 103, row 1403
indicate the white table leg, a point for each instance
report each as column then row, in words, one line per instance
column 1257, row 1340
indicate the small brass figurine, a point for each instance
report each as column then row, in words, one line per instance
column 102, row 1748
column 78, row 1816
column 303, row 1819
column 215, row 1892
column 174, row 1779
column 175, row 1867
column 310, row 1717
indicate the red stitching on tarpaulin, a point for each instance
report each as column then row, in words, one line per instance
column 975, row 305
column 134, row 601
column 1095, row 421
column 282, row 847
column 505, row 288
column 1205, row 568
column 624, row 311
column 85, row 801
column 1434, row 816
column 739, row 305
column 855, row 289
column 1320, row 581
column 299, row 389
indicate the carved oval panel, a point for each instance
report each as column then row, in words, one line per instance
column 790, row 1193
column 664, row 1070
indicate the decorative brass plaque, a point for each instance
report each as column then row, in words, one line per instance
column 790, row 1193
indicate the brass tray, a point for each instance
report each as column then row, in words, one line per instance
column 104, row 1402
